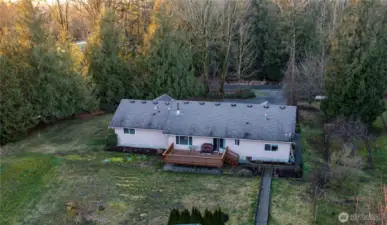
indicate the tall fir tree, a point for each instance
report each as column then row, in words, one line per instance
column 356, row 73
column 107, row 68
column 268, row 49
column 43, row 86
column 169, row 63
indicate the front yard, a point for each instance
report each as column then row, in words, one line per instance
column 61, row 173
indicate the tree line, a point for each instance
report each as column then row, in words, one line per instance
column 141, row 49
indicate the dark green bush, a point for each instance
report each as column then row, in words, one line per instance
column 111, row 139
column 241, row 94
column 298, row 128
column 174, row 217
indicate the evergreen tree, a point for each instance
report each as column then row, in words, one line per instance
column 40, row 84
column 107, row 68
column 356, row 73
column 208, row 217
column 268, row 49
column 196, row 216
column 170, row 64
column 174, row 217
column 184, row 217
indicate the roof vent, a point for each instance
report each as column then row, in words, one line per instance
column 132, row 101
column 143, row 102
column 249, row 106
column 156, row 107
column 155, row 102
column 233, row 104
column 169, row 108
column 247, row 123
column 282, row 107
column 186, row 102
column 154, row 113
column 266, row 106
column 266, row 116
column 167, row 103
column 178, row 112
column 217, row 104
column 201, row 103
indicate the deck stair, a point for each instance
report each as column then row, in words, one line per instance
column 231, row 157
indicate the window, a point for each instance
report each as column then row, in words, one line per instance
column 270, row 147
column 236, row 141
column 129, row 131
column 183, row 140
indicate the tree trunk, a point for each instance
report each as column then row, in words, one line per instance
column 369, row 150
column 384, row 123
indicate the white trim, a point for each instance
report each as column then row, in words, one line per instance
column 230, row 138
column 134, row 128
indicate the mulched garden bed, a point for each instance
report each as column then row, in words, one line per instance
column 145, row 151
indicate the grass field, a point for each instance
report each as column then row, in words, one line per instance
column 64, row 165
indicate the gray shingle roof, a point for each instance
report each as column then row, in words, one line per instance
column 164, row 97
column 242, row 121
column 140, row 114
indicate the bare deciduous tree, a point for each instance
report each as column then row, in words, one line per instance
column 244, row 56
column 351, row 130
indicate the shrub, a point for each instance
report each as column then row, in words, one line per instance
column 111, row 139
column 298, row 128
column 196, row 216
column 174, row 217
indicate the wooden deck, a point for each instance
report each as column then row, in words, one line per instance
column 195, row 158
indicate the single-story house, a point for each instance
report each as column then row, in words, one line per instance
column 260, row 132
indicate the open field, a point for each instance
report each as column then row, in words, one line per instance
column 60, row 173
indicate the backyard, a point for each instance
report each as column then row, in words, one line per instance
column 62, row 175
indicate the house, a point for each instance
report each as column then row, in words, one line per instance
column 235, row 131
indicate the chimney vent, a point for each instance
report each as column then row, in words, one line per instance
column 266, row 116
column 177, row 106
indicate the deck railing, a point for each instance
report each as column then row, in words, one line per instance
column 185, row 157
column 169, row 150
column 194, row 160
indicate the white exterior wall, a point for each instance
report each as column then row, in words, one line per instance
column 196, row 141
column 254, row 149
column 142, row 138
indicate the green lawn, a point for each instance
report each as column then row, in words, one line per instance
column 65, row 164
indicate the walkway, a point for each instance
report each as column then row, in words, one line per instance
column 262, row 212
